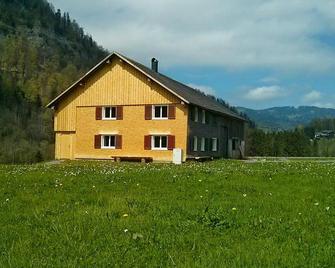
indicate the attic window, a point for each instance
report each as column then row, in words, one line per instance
column 160, row 112
column 196, row 114
column 109, row 113
column 203, row 118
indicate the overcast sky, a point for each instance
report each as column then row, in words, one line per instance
column 257, row 54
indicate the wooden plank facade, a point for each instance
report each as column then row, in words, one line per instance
column 131, row 95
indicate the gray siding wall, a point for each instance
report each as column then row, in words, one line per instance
column 227, row 130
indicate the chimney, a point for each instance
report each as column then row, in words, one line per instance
column 154, row 65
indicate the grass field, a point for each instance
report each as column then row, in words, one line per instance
column 215, row 214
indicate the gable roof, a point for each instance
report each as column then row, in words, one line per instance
column 185, row 93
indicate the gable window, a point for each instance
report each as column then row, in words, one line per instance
column 108, row 141
column 159, row 142
column 214, row 144
column 202, row 145
column 195, row 143
column 109, row 113
column 160, row 112
column 203, row 117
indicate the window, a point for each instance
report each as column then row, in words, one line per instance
column 214, row 120
column 196, row 114
column 159, row 143
column 202, row 145
column 108, row 141
column 160, row 112
column 214, row 144
column 195, row 143
column 203, row 118
column 235, row 144
column 109, row 113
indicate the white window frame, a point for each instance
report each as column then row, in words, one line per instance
column 196, row 114
column 161, row 112
column 214, row 141
column 203, row 144
column 160, row 148
column 104, row 113
column 103, row 142
column 203, row 116
column 195, row 144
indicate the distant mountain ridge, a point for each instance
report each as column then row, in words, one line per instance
column 287, row 117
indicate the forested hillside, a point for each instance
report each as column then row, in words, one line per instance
column 41, row 52
column 284, row 118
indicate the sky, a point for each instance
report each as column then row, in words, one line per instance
column 256, row 54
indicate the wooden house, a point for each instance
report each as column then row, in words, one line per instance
column 123, row 109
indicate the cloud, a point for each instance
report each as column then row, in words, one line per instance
column 269, row 80
column 324, row 104
column 206, row 89
column 312, row 96
column 264, row 93
column 316, row 98
column 283, row 35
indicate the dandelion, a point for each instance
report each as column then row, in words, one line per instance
column 93, row 186
column 125, row 230
column 244, row 195
column 316, row 204
column 327, row 208
column 7, row 199
column 206, row 191
column 200, row 180
column 200, row 196
column 125, row 215
column 234, row 209
column 138, row 184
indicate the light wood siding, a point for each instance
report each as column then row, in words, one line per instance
column 65, row 143
column 115, row 84
column 132, row 128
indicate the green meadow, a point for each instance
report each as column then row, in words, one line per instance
column 214, row 214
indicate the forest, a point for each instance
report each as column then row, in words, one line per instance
column 298, row 142
column 42, row 51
